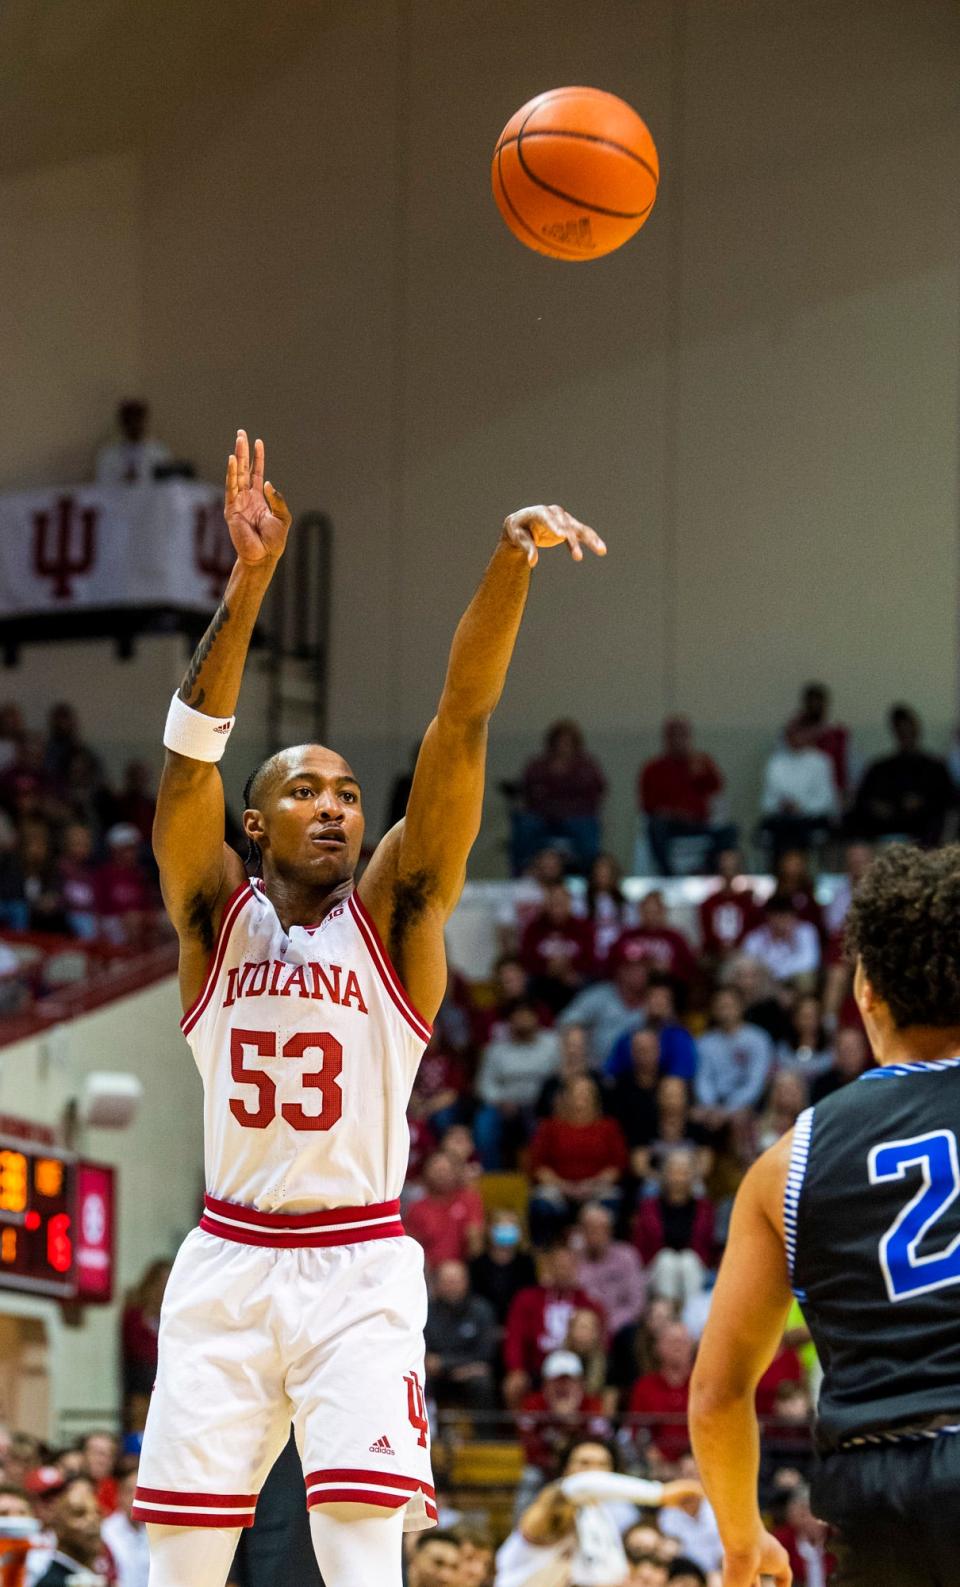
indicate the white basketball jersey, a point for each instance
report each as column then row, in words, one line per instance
column 308, row 1047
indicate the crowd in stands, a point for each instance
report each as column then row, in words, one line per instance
column 579, row 1124
column 813, row 789
column 75, row 856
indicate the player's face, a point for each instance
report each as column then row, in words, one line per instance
column 311, row 825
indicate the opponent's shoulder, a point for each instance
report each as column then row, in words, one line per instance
column 764, row 1186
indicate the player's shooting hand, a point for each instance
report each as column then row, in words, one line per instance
column 751, row 1567
column 538, row 527
column 257, row 515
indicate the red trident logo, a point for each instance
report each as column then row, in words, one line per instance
column 63, row 544
column 212, row 547
column 416, row 1408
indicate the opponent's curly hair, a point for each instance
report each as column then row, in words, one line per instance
column 904, row 926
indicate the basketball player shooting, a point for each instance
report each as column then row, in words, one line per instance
column 307, row 1003
column 857, row 1208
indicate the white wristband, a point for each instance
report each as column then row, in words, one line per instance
column 191, row 733
column 610, row 1487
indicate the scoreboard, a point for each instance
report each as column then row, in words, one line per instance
column 56, row 1222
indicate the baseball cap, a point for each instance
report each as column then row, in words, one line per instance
column 44, row 1480
column 562, row 1364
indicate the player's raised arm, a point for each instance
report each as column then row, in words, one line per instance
column 197, row 869
column 415, row 878
column 744, row 1329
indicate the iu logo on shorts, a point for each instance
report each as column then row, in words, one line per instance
column 416, row 1408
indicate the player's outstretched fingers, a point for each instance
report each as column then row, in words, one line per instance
column 256, row 474
column 243, row 460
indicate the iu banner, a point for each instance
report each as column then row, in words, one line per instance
column 92, row 547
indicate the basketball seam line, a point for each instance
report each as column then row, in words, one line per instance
column 581, row 203
column 570, row 253
column 582, row 137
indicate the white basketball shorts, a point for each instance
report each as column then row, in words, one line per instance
column 311, row 1318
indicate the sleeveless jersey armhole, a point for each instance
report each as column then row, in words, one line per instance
column 238, row 899
column 799, row 1154
column 385, row 970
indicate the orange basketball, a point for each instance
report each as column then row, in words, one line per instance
column 575, row 173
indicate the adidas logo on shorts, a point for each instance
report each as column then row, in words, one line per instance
column 382, row 1446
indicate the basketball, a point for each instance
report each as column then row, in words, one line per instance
column 575, row 173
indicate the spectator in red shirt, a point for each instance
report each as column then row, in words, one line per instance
column 673, row 1231
column 551, row 1416
column 793, row 880
column 575, row 1157
column 656, row 943
column 539, row 1318
column 786, row 1367
column 675, row 792
column 449, row 1220
column 439, row 1088
column 563, row 790
column 805, row 1540
column 727, row 914
column 100, row 1451
column 122, row 888
column 557, row 950
column 135, row 803
column 665, row 1393
column 139, row 1328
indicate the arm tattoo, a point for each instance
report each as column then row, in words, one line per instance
column 220, row 616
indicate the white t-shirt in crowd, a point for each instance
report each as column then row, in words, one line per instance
column 130, row 462
column 698, row 1535
column 785, row 957
column 802, row 778
column 127, row 1542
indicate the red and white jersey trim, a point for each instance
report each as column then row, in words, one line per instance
column 296, row 1230
column 237, row 901
column 168, row 1508
column 349, row 1485
column 385, row 970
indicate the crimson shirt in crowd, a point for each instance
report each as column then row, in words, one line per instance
column 681, row 784
column 725, row 918
column 661, row 947
column 787, row 1538
column 545, row 1437
column 78, row 886
column 544, row 941
column 652, row 1395
column 121, row 889
column 441, row 1225
column 439, row 1072
column 786, row 1367
column 537, row 1323
column 563, row 792
column 650, row 1231
column 579, row 1151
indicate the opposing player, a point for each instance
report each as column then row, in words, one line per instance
column 858, row 1208
column 307, row 1004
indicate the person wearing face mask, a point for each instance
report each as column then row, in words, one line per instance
column 503, row 1268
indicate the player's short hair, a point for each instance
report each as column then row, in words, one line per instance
column 436, row 1535
column 583, row 1438
column 904, row 927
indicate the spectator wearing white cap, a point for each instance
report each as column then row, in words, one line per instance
column 551, row 1416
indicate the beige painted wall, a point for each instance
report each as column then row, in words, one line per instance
column 159, row 1161
column 756, row 401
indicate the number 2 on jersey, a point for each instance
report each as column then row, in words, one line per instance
column 906, row 1273
column 325, row 1079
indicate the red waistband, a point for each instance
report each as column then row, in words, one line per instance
column 289, row 1230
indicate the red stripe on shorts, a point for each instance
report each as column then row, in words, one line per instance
column 222, row 1518
column 354, row 1476
column 288, row 1231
